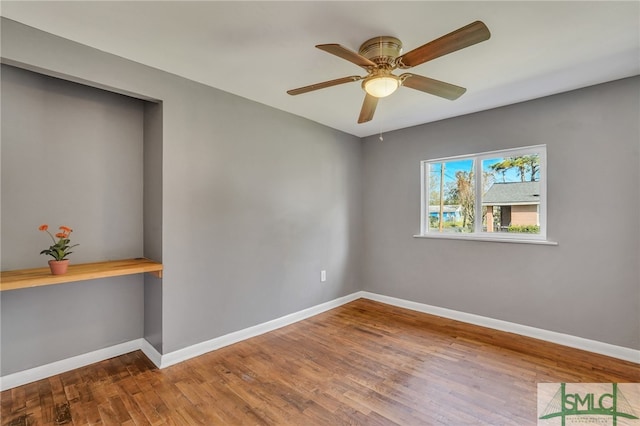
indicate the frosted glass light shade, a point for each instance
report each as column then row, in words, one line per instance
column 380, row 87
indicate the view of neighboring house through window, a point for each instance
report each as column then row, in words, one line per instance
column 500, row 194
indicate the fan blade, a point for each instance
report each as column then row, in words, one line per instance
column 431, row 86
column 456, row 40
column 349, row 55
column 368, row 108
column 324, row 84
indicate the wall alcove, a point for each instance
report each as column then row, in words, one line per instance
column 90, row 159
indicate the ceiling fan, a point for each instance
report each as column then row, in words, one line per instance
column 380, row 56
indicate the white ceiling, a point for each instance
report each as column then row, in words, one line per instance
column 260, row 49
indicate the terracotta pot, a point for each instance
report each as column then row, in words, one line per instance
column 58, row 267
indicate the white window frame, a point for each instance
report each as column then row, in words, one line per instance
column 478, row 233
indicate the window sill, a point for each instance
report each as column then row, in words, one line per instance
column 469, row 237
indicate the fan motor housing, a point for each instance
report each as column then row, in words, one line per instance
column 381, row 50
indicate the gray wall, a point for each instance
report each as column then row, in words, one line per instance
column 588, row 285
column 254, row 202
column 152, row 207
column 71, row 155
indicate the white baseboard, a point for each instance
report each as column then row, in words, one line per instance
column 237, row 336
column 602, row 348
column 42, row 372
column 154, row 356
column 161, row 361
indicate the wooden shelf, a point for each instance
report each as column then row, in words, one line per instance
column 26, row 278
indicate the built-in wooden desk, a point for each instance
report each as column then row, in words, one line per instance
column 26, row 278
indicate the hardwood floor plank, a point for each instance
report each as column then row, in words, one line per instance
column 144, row 402
column 364, row 363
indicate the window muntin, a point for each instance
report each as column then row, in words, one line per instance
column 496, row 195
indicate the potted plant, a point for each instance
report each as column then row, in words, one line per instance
column 59, row 250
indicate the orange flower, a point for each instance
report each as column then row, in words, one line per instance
column 61, row 248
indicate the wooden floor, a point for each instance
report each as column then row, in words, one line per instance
column 363, row 363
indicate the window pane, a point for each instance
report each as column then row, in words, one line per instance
column 511, row 194
column 451, row 196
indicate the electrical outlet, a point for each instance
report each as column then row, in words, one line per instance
column 323, row 276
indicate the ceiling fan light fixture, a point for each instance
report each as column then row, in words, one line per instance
column 380, row 56
column 381, row 86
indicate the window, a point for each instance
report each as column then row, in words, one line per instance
column 497, row 195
